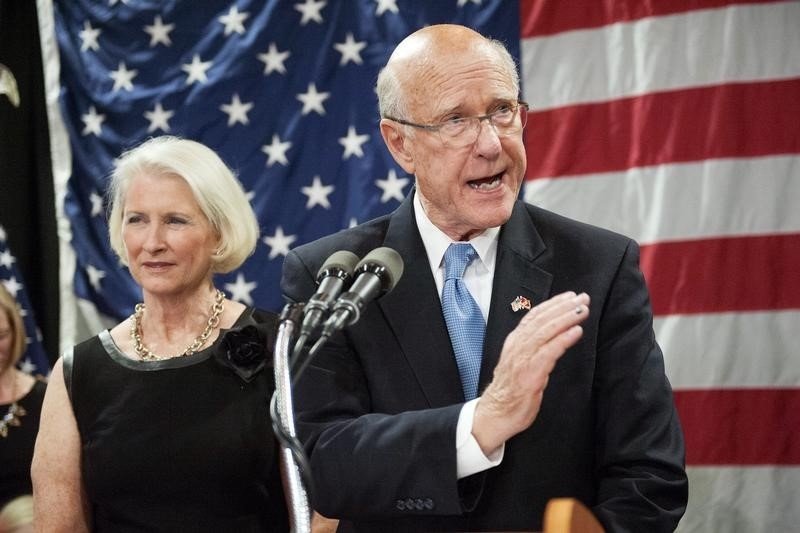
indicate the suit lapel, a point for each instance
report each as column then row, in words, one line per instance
column 516, row 274
column 414, row 312
column 413, row 309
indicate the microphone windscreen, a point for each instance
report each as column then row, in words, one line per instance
column 343, row 259
column 390, row 260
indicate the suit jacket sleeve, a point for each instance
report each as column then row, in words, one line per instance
column 639, row 460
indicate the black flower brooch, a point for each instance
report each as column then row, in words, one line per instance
column 246, row 350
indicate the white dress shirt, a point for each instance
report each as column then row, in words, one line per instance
column 478, row 278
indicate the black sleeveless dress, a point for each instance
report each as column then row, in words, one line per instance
column 182, row 444
column 16, row 448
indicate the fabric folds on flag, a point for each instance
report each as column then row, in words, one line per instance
column 283, row 90
column 678, row 123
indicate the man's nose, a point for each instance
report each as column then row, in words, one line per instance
column 488, row 141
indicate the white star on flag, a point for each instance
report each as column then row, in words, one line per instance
column 159, row 32
column 462, row 3
column 158, row 118
column 123, row 78
column 237, row 111
column 196, row 70
column 89, row 37
column 352, row 143
column 241, row 289
column 27, row 366
column 350, row 50
column 273, row 59
column 317, row 193
column 6, row 259
column 311, row 10
column 92, row 122
column 279, row 243
column 276, row 151
column 386, row 5
column 392, row 187
column 12, row 286
column 234, row 21
column 97, row 204
column 95, row 276
column 312, row 100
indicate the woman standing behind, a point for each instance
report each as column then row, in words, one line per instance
column 162, row 423
column 20, row 406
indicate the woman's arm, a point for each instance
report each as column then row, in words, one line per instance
column 59, row 502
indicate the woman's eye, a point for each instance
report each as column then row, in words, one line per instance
column 176, row 220
column 133, row 219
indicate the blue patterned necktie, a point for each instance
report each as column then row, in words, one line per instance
column 463, row 317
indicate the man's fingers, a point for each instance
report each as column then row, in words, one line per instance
column 561, row 313
column 548, row 304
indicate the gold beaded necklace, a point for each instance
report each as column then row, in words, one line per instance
column 145, row 354
column 15, row 410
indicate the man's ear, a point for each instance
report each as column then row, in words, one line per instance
column 395, row 140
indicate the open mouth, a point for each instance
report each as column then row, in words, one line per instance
column 486, row 184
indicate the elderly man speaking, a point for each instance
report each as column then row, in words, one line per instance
column 514, row 361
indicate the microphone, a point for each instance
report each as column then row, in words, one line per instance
column 333, row 275
column 376, row 275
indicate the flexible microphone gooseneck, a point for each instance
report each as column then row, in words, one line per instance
column 295, row 469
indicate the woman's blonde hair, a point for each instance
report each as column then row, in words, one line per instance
column 9, row 305
column 17, row 515
column 217, row 191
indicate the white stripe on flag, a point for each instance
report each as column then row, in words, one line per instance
column 737, row 43
column 741, row 500
column 729, row 350
column 726, row 197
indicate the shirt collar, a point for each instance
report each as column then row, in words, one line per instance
column 436, row 241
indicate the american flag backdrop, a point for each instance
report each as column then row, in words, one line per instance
column 34, row 360
column 676, row 122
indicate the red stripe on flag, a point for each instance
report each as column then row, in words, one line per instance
column 734, row 120
column 723, row 274
column 547, row 17
column 740, row 426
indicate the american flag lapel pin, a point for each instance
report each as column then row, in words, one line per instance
column 520, row 303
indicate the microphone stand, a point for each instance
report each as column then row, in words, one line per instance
column 296, row 495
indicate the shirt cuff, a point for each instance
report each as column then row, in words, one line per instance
column 469, row 456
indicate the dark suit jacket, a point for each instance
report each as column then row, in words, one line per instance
column 378, row 407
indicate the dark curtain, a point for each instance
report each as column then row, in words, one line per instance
column 27, row 209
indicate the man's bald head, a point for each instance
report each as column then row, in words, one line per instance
column 423, row 52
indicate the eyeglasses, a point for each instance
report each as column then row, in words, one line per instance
column 459, row 132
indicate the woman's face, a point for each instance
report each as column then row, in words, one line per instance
column 168, row 240
column 6, row 340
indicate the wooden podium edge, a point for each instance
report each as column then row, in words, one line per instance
column 567, row 515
